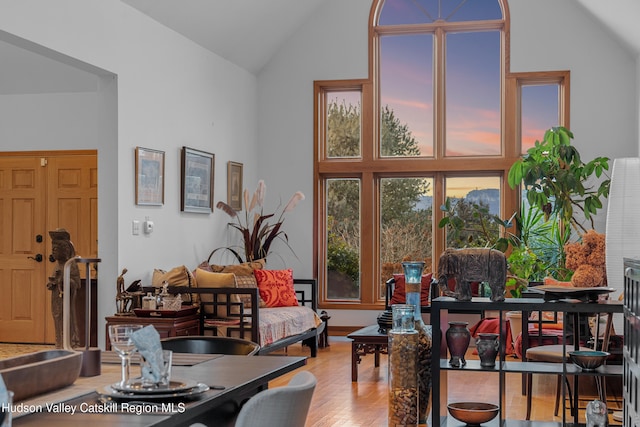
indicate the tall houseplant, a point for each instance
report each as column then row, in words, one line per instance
column 257, row 229
column 556, row 182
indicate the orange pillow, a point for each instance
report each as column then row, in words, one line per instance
column 399, row 293
column 276, row 287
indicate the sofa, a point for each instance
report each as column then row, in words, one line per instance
column 268, row 307
column 237, row 312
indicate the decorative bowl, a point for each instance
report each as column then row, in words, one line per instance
column 588, row 360
column 36, row 373
column 473, row 413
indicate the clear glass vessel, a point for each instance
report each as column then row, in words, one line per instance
column 403, row 368
column 413, row 285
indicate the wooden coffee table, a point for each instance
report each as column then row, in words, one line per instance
column 367, row 340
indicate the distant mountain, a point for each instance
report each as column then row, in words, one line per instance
column 488, row 196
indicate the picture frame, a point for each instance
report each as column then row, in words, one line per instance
column 197, row 177
column 149, row 180
column 234, row 185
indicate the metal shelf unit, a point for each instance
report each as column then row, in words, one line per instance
column 442, row 306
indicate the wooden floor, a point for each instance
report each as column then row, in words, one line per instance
column 338, row 402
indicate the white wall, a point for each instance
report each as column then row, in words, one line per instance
column 330, row 45
column 638, row 99
column 546, row 35
column 167, row 92
column 37, row 121
column 604, row 108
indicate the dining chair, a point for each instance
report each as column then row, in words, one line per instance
column 285, row 406
column 210, row 345
column 553, row 353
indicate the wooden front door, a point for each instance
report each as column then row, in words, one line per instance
column 40, row 192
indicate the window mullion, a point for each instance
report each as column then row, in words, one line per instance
column 439, row 118
column 368, row 251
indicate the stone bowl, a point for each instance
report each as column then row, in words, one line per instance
column 588, row 360
column 36, row 373
column 473, row 413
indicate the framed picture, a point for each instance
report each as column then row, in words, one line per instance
column 196, row 191
column 234, row 185
column 149, row 176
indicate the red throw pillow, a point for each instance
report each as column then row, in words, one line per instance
column 276, row 287
column 399, row 293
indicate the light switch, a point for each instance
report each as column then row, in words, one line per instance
column 135, row 229
column 148, row 226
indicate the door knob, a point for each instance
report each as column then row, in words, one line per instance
column 38, row 257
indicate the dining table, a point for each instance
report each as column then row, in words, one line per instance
column 231, row 381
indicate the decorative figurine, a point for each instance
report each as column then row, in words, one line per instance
column 597, row 414
column 127, row 299
column 472, row 265
column 62, row 250
column 123, row 298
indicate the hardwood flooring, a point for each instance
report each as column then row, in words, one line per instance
column 338, row 402
column 12, row 350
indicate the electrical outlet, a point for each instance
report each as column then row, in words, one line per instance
column 135, row 228
column 148, row 226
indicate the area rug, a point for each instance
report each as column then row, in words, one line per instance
column 10, row 350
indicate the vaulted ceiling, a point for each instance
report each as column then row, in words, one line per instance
column 249, row 32
column 245, row 32
column 620, row 17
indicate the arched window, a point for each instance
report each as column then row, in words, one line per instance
column 431, row 133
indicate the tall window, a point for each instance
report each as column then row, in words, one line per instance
column 432, row 133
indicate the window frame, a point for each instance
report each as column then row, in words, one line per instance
column 371, row 167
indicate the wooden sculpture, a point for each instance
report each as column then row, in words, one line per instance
column 472, row 265
column 62, row 250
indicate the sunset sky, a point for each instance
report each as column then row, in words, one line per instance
column 472, row 83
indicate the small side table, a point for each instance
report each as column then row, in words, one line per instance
column 367, row 340
column 166, row 326
column 323, row 340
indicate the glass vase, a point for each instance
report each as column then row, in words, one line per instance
column 403, row 368
column 413, row 285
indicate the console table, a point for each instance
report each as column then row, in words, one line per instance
column 166, row 326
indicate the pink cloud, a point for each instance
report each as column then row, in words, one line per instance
column 411, row 103
column 473, row 131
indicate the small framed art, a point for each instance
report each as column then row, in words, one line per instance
column 234, row 185
column 197, row 181
column 149, row 176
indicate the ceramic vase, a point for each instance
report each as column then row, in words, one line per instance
column 403, row 368
column 413, row 282
column 487, row 346
column 458, row 339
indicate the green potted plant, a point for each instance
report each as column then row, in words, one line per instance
column 555, row 181
column 257, row 229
